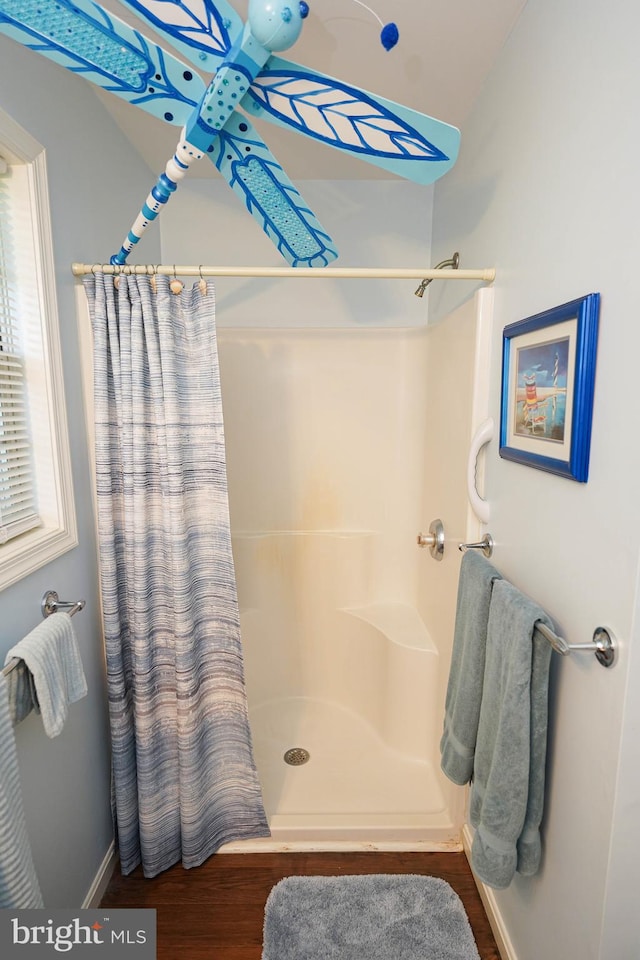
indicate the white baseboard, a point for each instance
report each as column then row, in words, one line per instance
column 488, row 897
column 101, row 879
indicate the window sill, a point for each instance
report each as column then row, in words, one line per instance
column 29, row 552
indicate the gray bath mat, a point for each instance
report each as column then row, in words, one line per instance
column 375, row 917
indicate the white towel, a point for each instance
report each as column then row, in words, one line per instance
column 19, row 886
column 51, row 653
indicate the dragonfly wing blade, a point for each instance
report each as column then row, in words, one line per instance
column 396, row 138
column 84, row 38
column 201, row 31
column 253, row 173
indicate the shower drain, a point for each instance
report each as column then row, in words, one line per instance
column 296, row 756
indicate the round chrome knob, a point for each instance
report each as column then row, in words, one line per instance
column 434, row 539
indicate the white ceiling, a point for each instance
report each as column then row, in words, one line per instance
column 445, row 51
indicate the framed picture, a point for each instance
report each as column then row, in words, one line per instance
column 548, row 375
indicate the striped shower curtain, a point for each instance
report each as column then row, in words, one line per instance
column 184, row 778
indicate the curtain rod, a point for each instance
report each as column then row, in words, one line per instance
column 487, row 274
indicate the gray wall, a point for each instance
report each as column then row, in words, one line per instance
column 546, row 189
column 96, row 186
column 373, row 223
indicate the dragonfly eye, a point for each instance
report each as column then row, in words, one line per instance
column 276, row 24
column 304, row 9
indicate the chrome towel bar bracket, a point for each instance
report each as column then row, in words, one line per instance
column 603, row 644
column 486, row 545
column 51, row 603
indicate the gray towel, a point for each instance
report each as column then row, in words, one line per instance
column 22, row 699
column 19, row 886
column 508, row 781
column 464, row 690
column 52, row 656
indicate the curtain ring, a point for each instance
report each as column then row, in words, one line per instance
column 176, row 285
column 202, row 283
column 152, row 282
column 95, row 266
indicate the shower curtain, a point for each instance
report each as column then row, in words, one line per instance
column 184, row 778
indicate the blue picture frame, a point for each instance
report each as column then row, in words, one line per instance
column 548, row 381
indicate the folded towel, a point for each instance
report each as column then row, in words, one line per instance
column 22, row 699
column 52, row 656
column 464, row 690
column 508, row 780
column 19, row 886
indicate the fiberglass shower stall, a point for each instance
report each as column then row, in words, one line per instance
column 342, row 445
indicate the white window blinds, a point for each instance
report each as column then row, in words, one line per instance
column 18, row 505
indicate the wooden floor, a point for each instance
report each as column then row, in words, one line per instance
column 217, row 910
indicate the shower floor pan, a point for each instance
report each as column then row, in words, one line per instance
column 352, row 793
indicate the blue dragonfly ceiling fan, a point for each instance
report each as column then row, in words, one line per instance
column 246, row 79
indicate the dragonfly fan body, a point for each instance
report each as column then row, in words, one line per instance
column 246, row 79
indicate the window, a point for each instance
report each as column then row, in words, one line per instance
column 18, row 499
column 37, row 516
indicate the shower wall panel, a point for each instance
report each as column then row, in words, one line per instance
column 341, row 445
column 324, row 432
